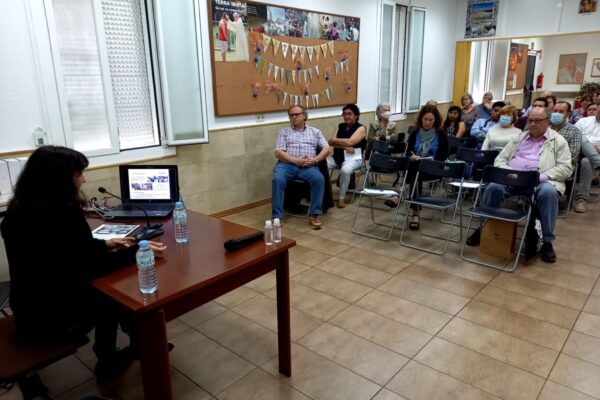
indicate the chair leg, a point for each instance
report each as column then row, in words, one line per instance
column 32, row 387
column 363, row 233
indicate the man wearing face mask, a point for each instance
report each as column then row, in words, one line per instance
column 590, row 149
column 481, row 127
column 560, row 124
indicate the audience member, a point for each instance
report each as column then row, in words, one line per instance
column 592, row 109
column 560, row 124
column 484, row 110
column 453, row 125
column 433, row 103
column 349, row 143
column 481, row 127
column 297, row 152
column 427, row 140
column 469, row 111
column 521, row 122
column 526, row 113
column 539, row 149
column 581, row 112
column 590, row 149
column 551, row 100
column 501, row 134
column 382, row 128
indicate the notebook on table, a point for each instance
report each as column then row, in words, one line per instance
column 155, row 188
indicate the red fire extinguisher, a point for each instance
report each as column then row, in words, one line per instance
column 539, row 81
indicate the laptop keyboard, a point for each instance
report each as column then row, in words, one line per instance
column 147, row 207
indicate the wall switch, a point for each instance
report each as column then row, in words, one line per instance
column 260, row 118
column 39, row 137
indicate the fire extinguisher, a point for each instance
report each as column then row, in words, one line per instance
column 539, row 81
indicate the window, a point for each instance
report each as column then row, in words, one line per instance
column 402, row 34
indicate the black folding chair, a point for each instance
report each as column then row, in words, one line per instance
column 455, row 143
column 439, row 170
column 382, row 164
column 523, row 183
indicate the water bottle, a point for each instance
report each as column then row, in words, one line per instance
column 276, row 230
column 182, row 231
column 146, row 268
column 268, row 232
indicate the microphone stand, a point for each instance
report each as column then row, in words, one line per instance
column 150, row 230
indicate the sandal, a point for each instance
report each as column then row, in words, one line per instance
column 414, row 225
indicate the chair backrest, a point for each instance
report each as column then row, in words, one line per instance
column 455, row 143
column 480, row 157
column 387, row 164
column 525, row 180
column 398, row 148
column 440, row 169
column 380, row 146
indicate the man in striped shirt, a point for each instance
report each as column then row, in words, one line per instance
column 298, row 150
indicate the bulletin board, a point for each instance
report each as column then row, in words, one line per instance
column 267, row 58
column 517, row 66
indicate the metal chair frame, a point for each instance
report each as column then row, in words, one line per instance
column 571, row 192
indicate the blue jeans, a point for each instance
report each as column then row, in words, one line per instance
column 546, row 201
column 283, row 173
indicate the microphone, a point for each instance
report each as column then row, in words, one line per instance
column 234, row 244
column 147, row 232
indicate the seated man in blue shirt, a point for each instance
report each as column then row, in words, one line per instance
column 484, row 109
column 296, row 152
column 481, row 127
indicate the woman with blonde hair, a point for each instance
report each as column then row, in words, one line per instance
column 469, row 112
column 501, row 134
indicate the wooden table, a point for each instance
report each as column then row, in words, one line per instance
column 193, row 274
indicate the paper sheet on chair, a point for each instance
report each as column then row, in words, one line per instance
column 379, row 192
column 357, row 155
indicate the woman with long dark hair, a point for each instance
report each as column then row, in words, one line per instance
column 52, row 256
column 453, row 125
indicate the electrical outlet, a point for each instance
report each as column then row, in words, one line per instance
column 260, row 118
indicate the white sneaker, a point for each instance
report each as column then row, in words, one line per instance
column 580, row 206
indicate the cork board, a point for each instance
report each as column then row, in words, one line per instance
column 266, row 58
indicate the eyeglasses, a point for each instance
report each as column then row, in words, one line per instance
column 536, row 121
column 292, row 115
column 348, row 113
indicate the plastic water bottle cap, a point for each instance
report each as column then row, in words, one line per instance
column 179, row 204
column 143, row 244
column 268, row 222
column 276, row 221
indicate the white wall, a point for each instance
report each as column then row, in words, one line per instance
column 20, row 101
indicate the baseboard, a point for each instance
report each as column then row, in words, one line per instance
column 238, row 209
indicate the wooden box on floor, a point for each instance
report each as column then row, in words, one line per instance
column 498, row 238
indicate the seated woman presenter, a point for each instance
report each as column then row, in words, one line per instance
column 52, row 256
column 348, row 144
column 500, row 135
column 428, row 140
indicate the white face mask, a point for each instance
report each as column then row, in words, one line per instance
column 386, row 115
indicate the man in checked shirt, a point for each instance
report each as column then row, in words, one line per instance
column 297, row 158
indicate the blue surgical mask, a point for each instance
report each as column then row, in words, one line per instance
column 557, row 118
column 505, row 120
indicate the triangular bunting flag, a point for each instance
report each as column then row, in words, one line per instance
column 285, row 95
column 310, row 50
column 266, row 41
column 275, row 72
column 279, row 97
column 294, row 50
column 310, row 74
column 331, row 90
column 296, row 102
column 324, row 49
column 316, row 52
column 306, row 97
column 317, row 69
column 347, row 64
column 331, row 47
column 337, row 67
column 294, row 76
column 288, row 75
column 276, row 44
column 269, row 70
column 262, row 65
column 327, row 92
column 284, row 49
column 302, row 52
column 317, row 100
column 305, row 76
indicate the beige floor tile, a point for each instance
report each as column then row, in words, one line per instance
column 202, row 313
column 259, row 385
column 65, row 375
column 508, row 349
column 355, row 272
column 322, row 379
column 392, row 249
column 333, row 285
column 357, row 354
column 441, row 280
column 89, row 388
column 577, row 374
column 263, row 283
column 310, row 301
column 385, row 394
column 485, row 373
column 451, row 263
column 321, row 244
column 343, row 236
column 517, row 325
column 297, row 268
column 382, row 263
column 407, row 312
column 588, row 324
column 596, row 291
column 384, row 331
column 263, row 310
column 419, row 382
column 554, row 391
column 593, row 305
column 242, row 336
column 555, row 278
column 542, row 291
column 207, row 363
column 308, row 256
column 236, row 297
column 573, row 268
column 426, row 295
column 584, row 347
column 530, row 306
column 176, row 327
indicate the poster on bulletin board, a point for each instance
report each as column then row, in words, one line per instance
column 267, row 58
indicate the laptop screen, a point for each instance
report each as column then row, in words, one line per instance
column 149, row 183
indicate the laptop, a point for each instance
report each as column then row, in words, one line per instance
column 155, row 188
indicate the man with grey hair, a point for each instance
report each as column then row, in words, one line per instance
column 484, row 109
column 590, row 149
column 538, row 149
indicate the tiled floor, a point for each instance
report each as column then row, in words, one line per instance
column 374, row 320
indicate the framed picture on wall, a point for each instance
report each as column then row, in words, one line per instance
column 596, row 68
column 571, row 68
